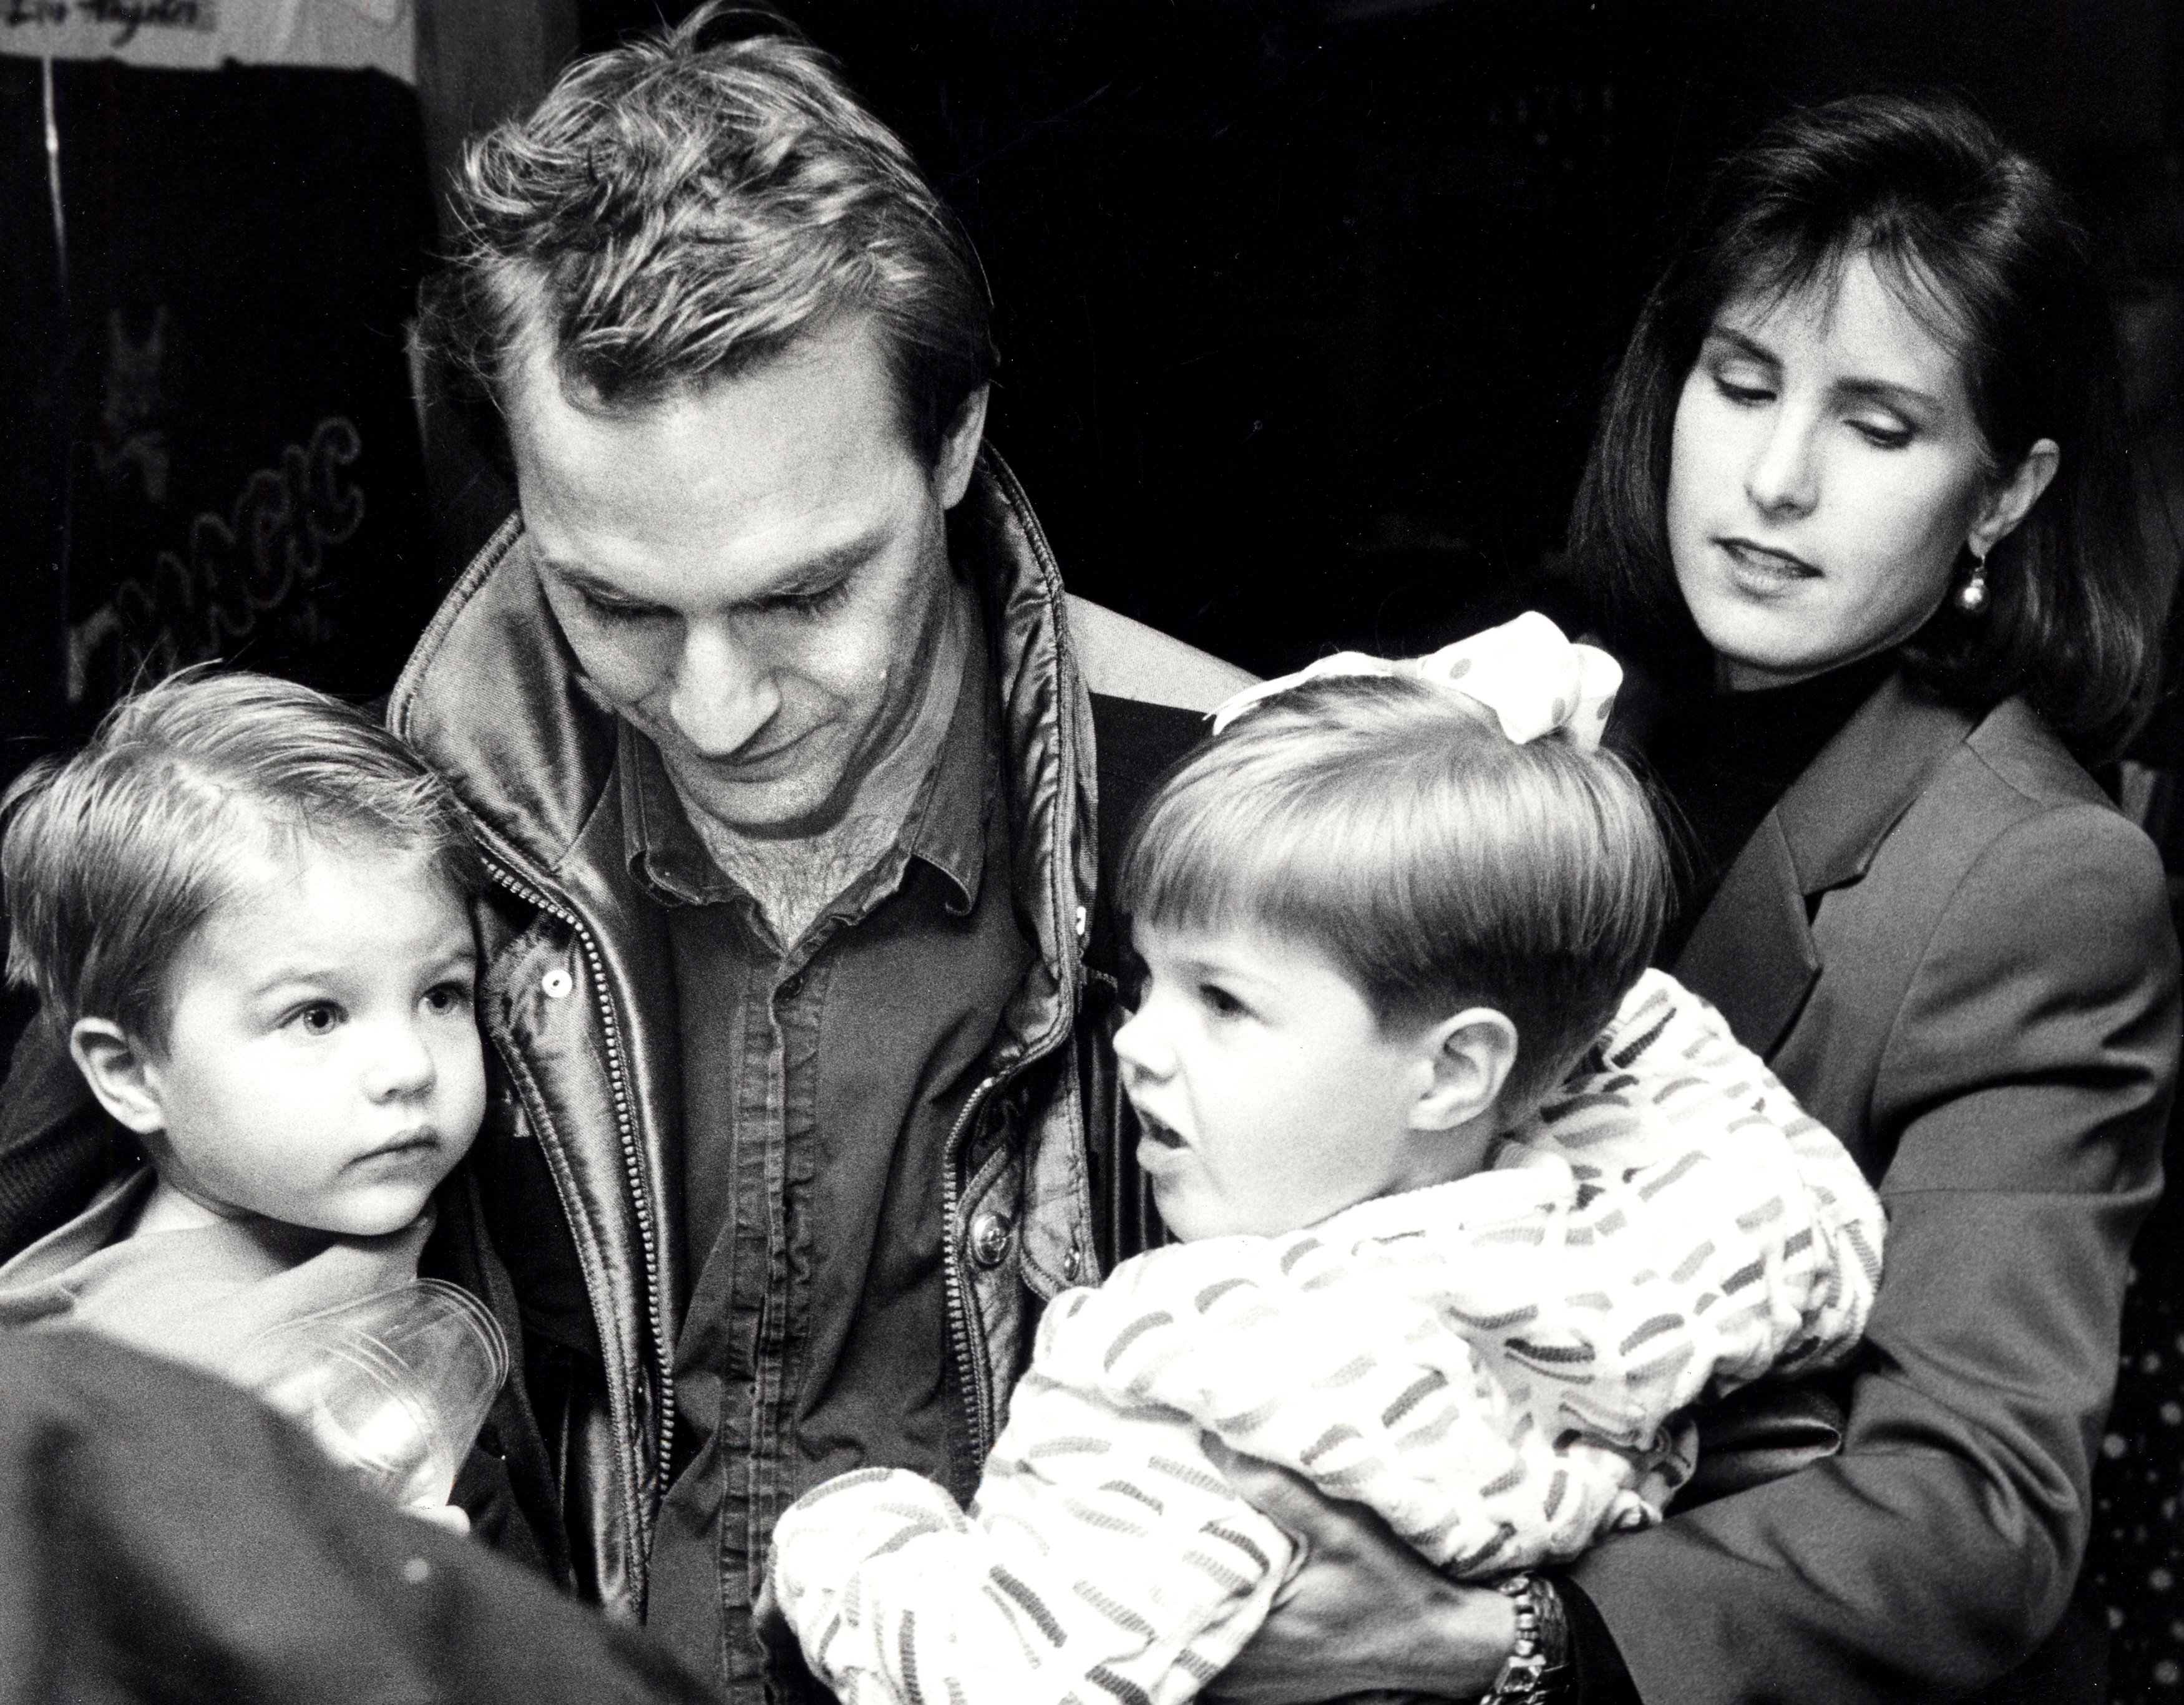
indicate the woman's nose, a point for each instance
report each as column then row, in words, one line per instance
column 1783, row 478
column 722, row 694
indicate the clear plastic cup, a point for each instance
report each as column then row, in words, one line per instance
column 395, row 1386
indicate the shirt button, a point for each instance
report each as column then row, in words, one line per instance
column 990, row 1239
column 556, row 983
column 1071, row 1263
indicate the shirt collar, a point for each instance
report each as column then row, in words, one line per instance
column 945, row 828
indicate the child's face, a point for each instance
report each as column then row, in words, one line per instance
column 1270, row 1094
column 322, row 1065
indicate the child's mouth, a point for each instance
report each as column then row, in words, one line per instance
column 1155, row 1132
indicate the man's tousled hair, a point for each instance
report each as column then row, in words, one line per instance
column 1439, row 864
column 114, row 857
column 686, row 207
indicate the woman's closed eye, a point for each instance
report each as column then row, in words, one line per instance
column 1883, row 432
column 1745, row 390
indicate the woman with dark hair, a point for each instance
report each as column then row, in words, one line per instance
column 1858, row 504
column 1855, row 508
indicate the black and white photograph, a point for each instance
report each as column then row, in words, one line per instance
column 1091, row 852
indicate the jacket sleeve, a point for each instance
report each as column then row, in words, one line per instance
column 162, row 1534
column 2023, row 1087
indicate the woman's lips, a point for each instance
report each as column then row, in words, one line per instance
column 1760, row 569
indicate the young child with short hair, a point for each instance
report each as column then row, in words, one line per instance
column 1382, row 916
column 246, row 906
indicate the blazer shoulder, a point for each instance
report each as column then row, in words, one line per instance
column 2009, row 787
column 1123, row 659
column 2018, row 749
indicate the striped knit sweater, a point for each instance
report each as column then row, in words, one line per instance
column 1497, row 1366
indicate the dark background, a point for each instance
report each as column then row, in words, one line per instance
column 1305, row 309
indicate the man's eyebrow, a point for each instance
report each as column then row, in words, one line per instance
column 816, row 573
column 584, row 580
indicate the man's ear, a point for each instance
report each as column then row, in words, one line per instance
column 120, row 1073
column 959, row 450
column 1472, row 1055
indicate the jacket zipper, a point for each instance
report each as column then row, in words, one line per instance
column 977, row 1396
column 625, row 1127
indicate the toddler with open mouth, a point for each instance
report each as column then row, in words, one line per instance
column 1473, row 1205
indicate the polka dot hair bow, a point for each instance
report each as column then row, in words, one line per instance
column 1534, row 680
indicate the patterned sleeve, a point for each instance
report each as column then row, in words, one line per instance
column 1495, row 1365
column 1695, row 1166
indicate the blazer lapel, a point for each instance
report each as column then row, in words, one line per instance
column 1753, row 953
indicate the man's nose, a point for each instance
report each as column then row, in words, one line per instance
column 722, row 694
column 1784, row 477
column 402, row 1065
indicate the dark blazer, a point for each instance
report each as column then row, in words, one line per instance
column 1960, row 957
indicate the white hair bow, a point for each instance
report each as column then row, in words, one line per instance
column 1533, row 680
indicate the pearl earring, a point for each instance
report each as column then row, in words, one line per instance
column 1971, row 596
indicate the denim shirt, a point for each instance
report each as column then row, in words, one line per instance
column 819, row 1084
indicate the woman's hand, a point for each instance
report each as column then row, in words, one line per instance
column 1363, row 1612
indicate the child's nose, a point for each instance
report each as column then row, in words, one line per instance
column 403, row 1064
column 1139, row 1047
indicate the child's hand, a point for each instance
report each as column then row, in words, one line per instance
column 452, row 1517
column 787, row 1675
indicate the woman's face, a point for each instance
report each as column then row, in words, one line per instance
column 1825, row 477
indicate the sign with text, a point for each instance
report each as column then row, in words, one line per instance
column 203, row 35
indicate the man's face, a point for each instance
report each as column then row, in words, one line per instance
column 754, row 574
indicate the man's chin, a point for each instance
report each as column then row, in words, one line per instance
column 793, row 807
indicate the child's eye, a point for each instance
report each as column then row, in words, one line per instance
column 320, row 1018
column 444, row 998
column 1220, row 1002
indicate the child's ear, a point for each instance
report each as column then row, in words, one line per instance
column 1471, row 1055
column 120, row 1073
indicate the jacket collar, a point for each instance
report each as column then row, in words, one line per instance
column 492, row 701
column 1753, row 953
